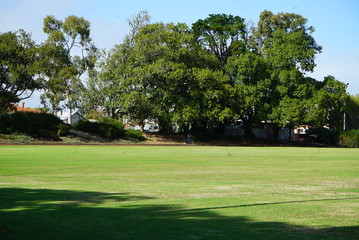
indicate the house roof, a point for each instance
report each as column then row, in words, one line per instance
column 23, row 109
column 65, row 115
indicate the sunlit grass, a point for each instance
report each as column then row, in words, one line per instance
column 179, row 192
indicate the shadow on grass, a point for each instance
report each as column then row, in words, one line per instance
column 61, row 214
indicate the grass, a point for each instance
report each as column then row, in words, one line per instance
column 147, row 192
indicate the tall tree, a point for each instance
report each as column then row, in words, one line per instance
column 105, row 87
column 161, row 73
column 64, row 58
column 19, row 73
column 288, row 47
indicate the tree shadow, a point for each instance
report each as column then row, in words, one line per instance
column 64, row 214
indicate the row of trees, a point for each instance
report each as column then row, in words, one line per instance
column 220, row 71
column 53, row 66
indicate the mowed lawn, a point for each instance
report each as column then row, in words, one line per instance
column 181, row 192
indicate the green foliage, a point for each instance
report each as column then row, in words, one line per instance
column 223, row 34
column 134, row 134
column 19, row 138
column 352, row 112
column 323, row 135
column 286, row 40
column 349, row 138
column 327, row 104
column 18, row 68
column 63, row 129
column 108, row 128
column 87, row 126
column 217, row 72
column 33, row 124
column 111, row 128
column 60, row 66
column 105, row 127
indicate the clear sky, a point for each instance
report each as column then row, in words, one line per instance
column 336, row 23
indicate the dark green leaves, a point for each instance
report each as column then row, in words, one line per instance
column 222, row 34
column 18, row 68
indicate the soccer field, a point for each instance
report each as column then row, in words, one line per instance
column 181, row 192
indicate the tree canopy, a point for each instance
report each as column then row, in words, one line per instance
column 19, row 72
column 61, row 67
column 218, row 71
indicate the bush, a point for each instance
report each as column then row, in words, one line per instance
column 6, row 125
column 63, row 129
column 131, row 133
column 111, row 128
column 323, row 135
column 105, row 127
column 87, row 126
column 20, row 138
column 33, row 124
column 349, row 138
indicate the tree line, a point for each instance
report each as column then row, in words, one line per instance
column 221, row 70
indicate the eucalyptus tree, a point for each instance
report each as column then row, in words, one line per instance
column 19, row 72
column 105, row 88
column 67, row 53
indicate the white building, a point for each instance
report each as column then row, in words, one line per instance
column 64, row 116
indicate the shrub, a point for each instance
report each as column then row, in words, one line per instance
column 6, row 125
column 105, row 127
column 323, row 135
column 131, row 133
column 20, row 138
column 87, row 126
column 349, row 138
column 63, row 129
column 33, row 124
column 111, row 128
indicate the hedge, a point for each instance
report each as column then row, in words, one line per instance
column 105, row 127
column 349, row 138
column 33, row 124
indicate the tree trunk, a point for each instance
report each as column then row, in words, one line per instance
column 248, row 129
column 69, row 120
column 275, row 132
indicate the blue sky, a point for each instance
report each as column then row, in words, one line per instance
column 335, row 22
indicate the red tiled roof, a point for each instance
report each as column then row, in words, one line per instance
column 23, row 109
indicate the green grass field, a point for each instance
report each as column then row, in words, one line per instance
column 157, row 192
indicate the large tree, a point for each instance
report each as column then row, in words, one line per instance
column 286, row 44
column 160, row 72
column 19, row 73
column 105, row 87
column 67, row 53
